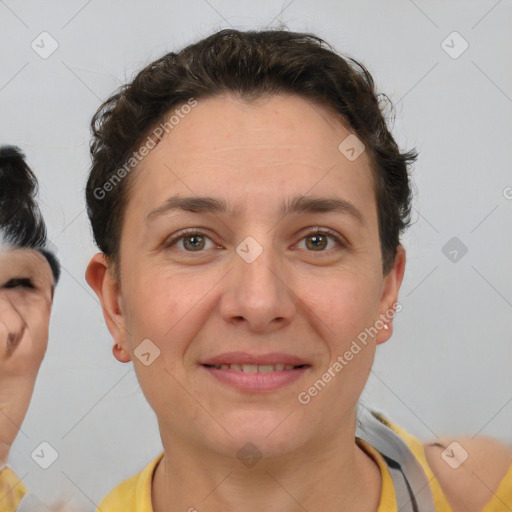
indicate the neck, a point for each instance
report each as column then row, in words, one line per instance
column 335, row 475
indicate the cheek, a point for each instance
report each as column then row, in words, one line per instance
column 345, row 302
column 40, row 311
column 160, row 308
column 341, row 314
column 32, row 307
column 36, row 313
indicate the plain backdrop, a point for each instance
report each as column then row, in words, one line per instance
column 446, row 370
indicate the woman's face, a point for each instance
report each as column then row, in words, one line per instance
column 26, row 291
column 252, row 283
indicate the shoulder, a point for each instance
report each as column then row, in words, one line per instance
column 122, row 496
column 469, row 470
column 12, row 489
column 133, row 494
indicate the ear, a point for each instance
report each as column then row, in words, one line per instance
column 389, row 296
column 99, row 277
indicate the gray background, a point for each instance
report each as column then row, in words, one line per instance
column 447, row 369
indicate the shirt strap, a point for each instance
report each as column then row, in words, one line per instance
column 412, row 487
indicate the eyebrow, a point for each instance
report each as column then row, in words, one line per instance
column 297, row 205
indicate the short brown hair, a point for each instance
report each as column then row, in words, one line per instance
column 250, row 65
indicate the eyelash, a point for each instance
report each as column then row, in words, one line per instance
column 21, row 282
column 326, row 232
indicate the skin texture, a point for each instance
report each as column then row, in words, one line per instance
column 24, row 319
column 291, row 299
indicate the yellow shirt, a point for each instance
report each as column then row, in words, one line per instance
column 12, row 489
column 134, row 494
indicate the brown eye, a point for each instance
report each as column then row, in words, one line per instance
column 197, row 242
column 317, row 241
column 189, row 241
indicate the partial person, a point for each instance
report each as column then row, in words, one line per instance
column 29, row 272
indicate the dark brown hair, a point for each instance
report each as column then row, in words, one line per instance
column 250, row 65
column 21, row 222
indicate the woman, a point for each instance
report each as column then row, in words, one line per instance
column 248, row 200
column 29, row 272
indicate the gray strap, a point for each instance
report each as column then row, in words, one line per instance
column 405, row 499
column 400, row 459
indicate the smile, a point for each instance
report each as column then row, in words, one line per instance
column 252, row 378
column 254, row 368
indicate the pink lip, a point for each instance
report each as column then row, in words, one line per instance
column 256, row 382
column 261, row 359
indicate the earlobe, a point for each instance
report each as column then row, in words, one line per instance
column 120, row 353
column 100, row 279
column 389, row 305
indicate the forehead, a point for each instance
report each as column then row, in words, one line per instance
column 278, row 146
column 20, row 261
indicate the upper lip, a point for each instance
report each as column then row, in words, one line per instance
column 257, row 359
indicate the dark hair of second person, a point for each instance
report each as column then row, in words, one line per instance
column 21, row 223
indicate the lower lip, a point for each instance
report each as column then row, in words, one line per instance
column 256, row 382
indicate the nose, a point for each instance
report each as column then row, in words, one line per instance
column 258, row 289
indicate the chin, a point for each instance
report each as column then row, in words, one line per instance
column 264, row 430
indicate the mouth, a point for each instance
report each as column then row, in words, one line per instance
column 255, row 373
column 254, row 368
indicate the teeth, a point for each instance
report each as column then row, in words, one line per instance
column 253, row 368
